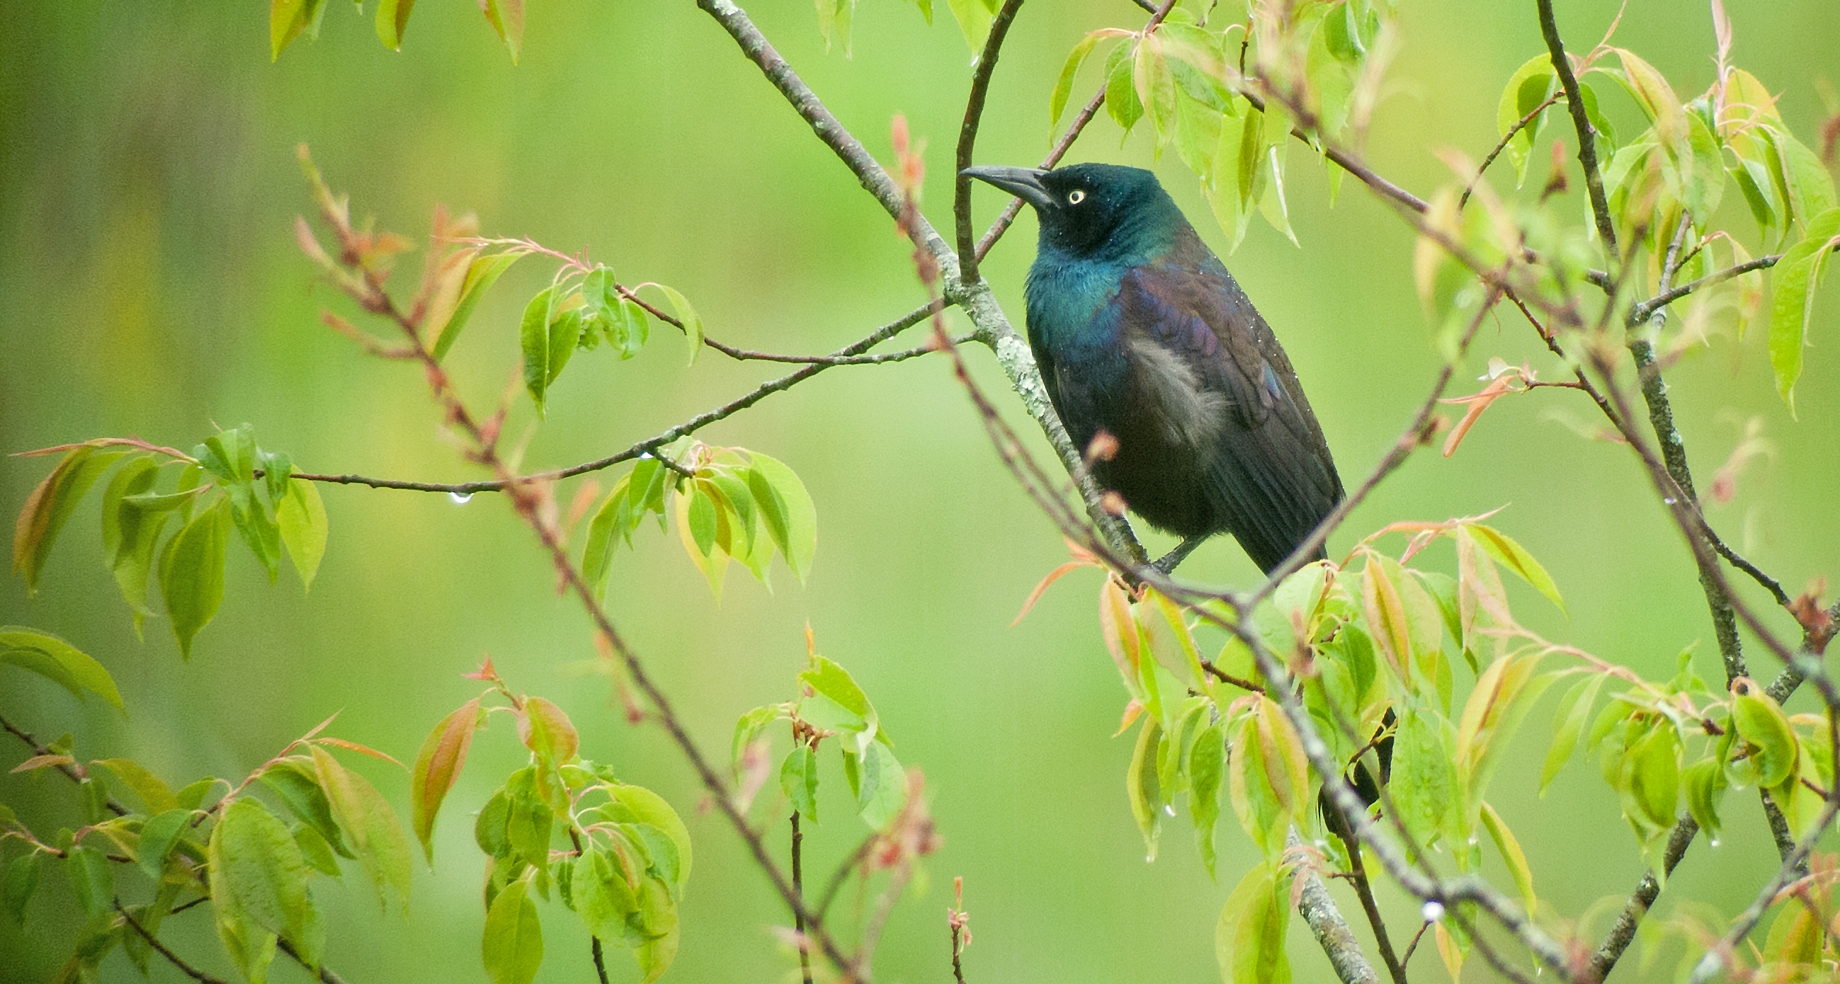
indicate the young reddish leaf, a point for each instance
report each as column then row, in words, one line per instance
column 1476, row 403
column 1041, row 588
column 512, row 947
column 507, row 18
column 1286, row 767
column 546, row 730
column 37, row 762
column 437, row 768
column 1386, row 616
column 1118, row 625
column 57, row 660
column 50, row 504
column 1451, row 950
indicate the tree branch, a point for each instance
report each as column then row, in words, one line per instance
column 848, row 355
column 1326, row 924
column 1581, row 123
column 172, row 958
column 967, row 138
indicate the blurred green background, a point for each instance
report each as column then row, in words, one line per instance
column 149, row 286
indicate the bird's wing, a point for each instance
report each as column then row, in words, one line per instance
column 1274, row 468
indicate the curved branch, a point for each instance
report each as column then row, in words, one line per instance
column 967, row 138
column 1581, row 122
column 1502, row 145
column 848, row 355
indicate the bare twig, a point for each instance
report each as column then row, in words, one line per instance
column 850, row 354
column 1641, row 312
column 172, row 958
column 1581, row 122
column 1502, row 145
column 798, row 887
column 1722, row 953
column 967, row 138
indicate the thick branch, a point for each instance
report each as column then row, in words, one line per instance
column 1330, row 929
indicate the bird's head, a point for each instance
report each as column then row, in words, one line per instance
column 1090, row 210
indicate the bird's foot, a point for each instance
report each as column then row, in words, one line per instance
column 1166, row 564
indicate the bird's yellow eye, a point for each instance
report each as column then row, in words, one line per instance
column 1076, row 196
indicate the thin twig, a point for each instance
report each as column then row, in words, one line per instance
column 172, row 958
column 1641, row 311
column 798, row 887
column 1502, row 145
column 1720, row 957
column 1581, row 123
column 850, row 354
column 967, row 138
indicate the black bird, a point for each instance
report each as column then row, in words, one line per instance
column 1141, row 333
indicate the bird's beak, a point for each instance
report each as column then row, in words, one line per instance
column 1023, row 182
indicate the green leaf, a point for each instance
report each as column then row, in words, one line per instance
column 1760, row 721
column 692, row 324
column 1792, row 301
column 21, row 882
column 1527, row 87
column 1063, row 86
column 369, row 825
column 257, row 870
column 534, row 335
column 1811, row 187
column 1205, row 763
column 1568, row 722
column 192, row 573
column 90, row 879
column 1511, row 854
column 287, row 20
column 437, row 768
column 880, row 784
column 485, row 268
column 1654, row 777
column 786, row 507
column 644, row 806
column 627, row 327
column 302, row 519
column 1141, row 787
column 1249, row 936
column 600, row 894
column 507, row 18
column 973, row 21
column 798, row 777
column 159, row 835
column 1424, row 782
column 564, row 336
column 392, row 19
column 1121, row 87
column 131, row 533
column 829, row 680
column 546, row 730
column 1705, row 784
column 1156, row 87
column 513, row 944
column 50, row 504
column 295, row 781
column 152, row 790
column 58, row 661
column 1516, row 558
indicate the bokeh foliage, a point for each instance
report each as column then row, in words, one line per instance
column 148, row 285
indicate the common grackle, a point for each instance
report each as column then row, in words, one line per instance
column 1140, row 332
